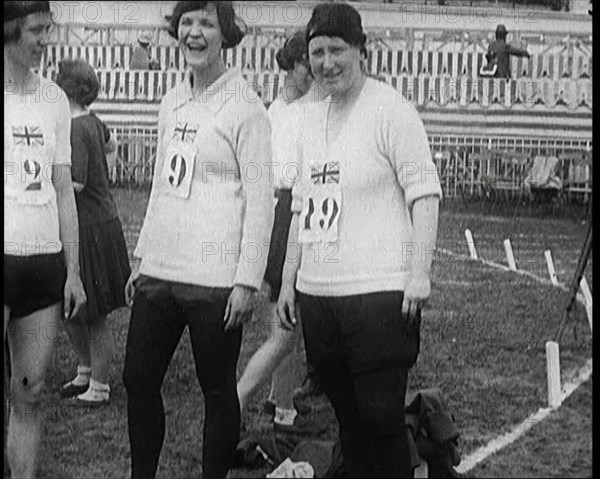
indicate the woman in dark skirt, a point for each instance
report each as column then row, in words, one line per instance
column 103, row 252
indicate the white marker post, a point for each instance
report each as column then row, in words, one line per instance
column 553, row 368
column 587, row 294
column 471, row 244
column 551, row 270
column 509, row 255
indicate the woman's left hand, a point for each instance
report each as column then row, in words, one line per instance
column 416, row 293
column 74, row 296
column 239, row 307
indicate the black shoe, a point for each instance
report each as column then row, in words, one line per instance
column 70, row 390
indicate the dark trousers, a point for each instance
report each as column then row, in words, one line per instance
column 361, row 349
column 161, row 310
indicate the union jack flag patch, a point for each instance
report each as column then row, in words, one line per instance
column 28, row 135
column 327, row 173
column 185, row 132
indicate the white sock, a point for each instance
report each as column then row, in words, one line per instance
column 99, row 386
column 285, row 417
column 83, row 376
column 96, row 392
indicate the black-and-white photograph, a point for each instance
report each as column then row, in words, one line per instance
column 318, row 239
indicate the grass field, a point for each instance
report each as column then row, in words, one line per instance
column 483, row 336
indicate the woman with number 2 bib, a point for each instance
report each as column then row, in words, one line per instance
column 365, row 213
column 203, row 242
column 41, row 262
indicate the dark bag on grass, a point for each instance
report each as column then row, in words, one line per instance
column 433, row 433
column 432, row 437
column 273, row 445
column 325, row 456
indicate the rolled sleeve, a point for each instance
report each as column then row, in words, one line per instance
column 408, row 146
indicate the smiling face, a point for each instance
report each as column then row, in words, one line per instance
column 200, row 37
column 28, row 49
column 334, row 63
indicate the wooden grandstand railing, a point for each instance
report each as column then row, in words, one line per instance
column 549, row 82
column 146, row 85
column 569, row 65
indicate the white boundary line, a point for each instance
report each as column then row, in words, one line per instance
column 504, row 440
column 579, row 377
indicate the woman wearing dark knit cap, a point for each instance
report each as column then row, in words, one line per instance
column 365, row 211
column 41, row 263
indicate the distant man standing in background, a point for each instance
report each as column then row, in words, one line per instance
column 500, row 51
column 141, row 59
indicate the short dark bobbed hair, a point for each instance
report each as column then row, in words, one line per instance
column 232, row 27
column 292, row 52
column 79, row 81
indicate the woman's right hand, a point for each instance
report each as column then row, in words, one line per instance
column 130, row 286
column 286, row 309
column 74, row 295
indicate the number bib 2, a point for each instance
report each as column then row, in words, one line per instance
column 321, row 211
column 31, row 187
column 178, row 169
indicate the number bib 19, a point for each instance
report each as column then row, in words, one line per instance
column 320, row 215
column 178, row 169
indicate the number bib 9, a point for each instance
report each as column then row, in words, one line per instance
column 321, row 211
column 178, row 169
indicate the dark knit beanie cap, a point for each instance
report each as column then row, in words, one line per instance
column 337, row 20
column 14, row 10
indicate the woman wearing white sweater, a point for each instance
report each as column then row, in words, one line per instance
column 365, row 213
column 204, row 242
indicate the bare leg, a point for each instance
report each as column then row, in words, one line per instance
column 31, row 341
column 101, row 346
column 287, row 376
column 261, row 366
column 78, row 333
column 6, row 317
